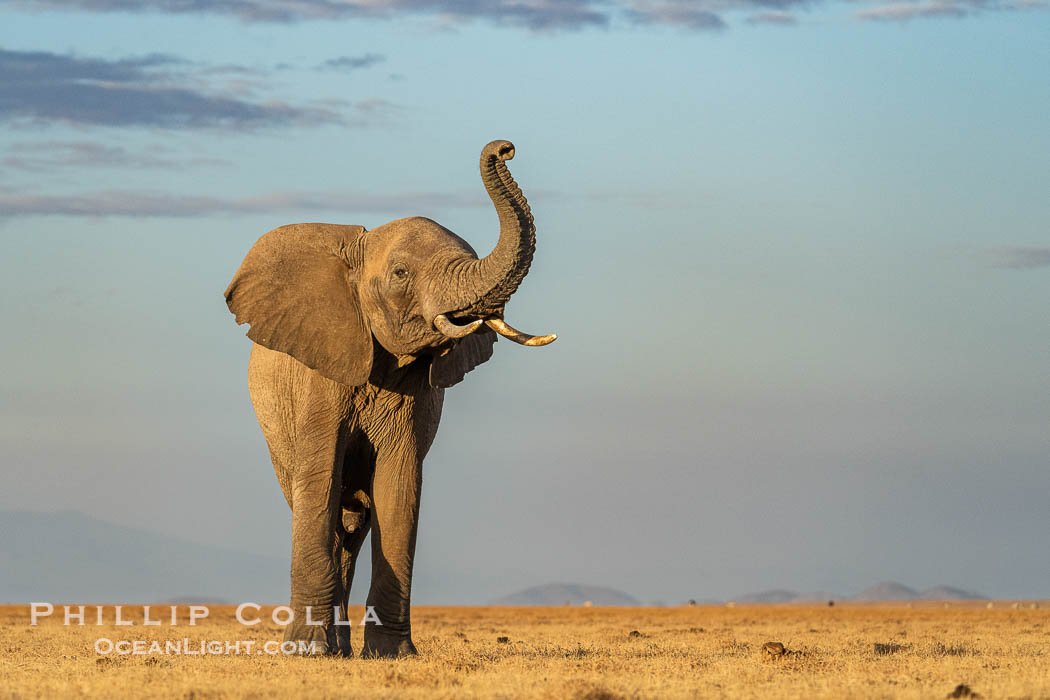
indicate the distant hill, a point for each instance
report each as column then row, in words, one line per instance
column 573, row 593
column 886, row 591
column 949, row 593
column 69, row 557
column 892, row 591
column 774, row 596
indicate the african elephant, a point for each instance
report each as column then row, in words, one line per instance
column 357, row 334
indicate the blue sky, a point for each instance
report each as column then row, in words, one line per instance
column 830, row 219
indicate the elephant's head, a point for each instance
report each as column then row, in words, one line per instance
column 320, row 292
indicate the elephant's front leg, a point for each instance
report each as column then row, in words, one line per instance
column 395, row 498
column 317, row 588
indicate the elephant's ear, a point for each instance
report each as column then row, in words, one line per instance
column 448, row 369
column 296, row 288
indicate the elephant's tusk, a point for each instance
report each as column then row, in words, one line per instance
column 450, row 329
column 501, row 327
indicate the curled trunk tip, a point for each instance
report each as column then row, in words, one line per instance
column 504, row 150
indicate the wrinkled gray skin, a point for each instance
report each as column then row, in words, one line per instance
column 347, row 377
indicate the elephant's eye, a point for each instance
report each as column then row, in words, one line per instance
column 400, row 273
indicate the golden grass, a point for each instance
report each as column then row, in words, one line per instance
column 848, row 651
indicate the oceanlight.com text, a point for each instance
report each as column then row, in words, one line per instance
column 187, row 647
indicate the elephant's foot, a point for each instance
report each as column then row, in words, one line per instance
column 385, row 646
column 319, row 640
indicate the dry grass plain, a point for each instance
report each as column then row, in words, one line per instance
column 848, row 651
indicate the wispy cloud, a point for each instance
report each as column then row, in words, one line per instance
column 775, row 17
column 353, row 62
column 693, row 15
column 132, row 203
column 904, row 11
column 1018, row 257
column 48, row 155
column 47, row 87
column 536, row 15
column 921, row 9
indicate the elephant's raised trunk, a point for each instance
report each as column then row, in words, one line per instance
column 500, row 272
column 494, row 278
